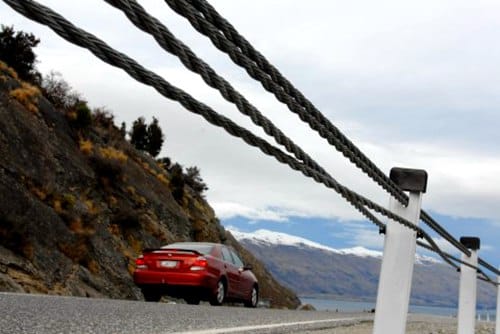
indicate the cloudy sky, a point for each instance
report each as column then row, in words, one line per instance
column 411, row 84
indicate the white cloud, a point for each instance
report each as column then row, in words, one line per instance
column 229, row 210
column 361, row 235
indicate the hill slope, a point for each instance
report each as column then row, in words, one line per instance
column 350, row 274
column 79, row 203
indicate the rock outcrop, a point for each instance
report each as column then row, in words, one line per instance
column 78, row 204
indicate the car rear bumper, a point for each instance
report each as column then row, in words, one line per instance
column 195, row 279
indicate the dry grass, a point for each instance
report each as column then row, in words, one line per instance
column 114, row 229
column 112, row 153
column 86, row 146
column 38, row 192
column 112, row 201
column 131, row 190
column 27, row 95
column 92, row 208
column 57, row 206
column 163, row 179
column 135, row 244
column 75, row 251
column 93, row 266
column 8, row 70
column 76, row 226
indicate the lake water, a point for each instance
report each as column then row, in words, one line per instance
column 350, row 306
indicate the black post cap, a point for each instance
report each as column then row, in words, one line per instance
column 471, row 242
column 409, row 179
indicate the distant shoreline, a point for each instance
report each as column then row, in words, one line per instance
column 373, row 300
column 336, row 305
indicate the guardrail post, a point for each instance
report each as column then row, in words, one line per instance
column 497, row 317
column 396, row 272
column 468, row 287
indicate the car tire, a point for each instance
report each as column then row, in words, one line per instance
column 192, row 300
column 218, row 296
column 150, row 295
column 254, row 298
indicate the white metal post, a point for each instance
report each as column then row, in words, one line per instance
column 468, row 288
column 497, row 319
column 396, row 272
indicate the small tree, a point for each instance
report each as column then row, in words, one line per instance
column 139, row 134
column 147, row 138
column 16, row 49
column 194, row 180
column 154, row 138
column 123, row 130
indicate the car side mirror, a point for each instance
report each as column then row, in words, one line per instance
column 247, row 267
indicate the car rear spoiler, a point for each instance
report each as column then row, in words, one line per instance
column 151, row 250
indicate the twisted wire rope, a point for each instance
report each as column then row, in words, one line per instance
column 206, row 20
column 227, row 39
column 65, row 29
column 71, row 33
column 147, row 23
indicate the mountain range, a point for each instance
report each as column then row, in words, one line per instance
column 315, row 270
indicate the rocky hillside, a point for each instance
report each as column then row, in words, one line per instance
column 351, row 274
column 79, row 203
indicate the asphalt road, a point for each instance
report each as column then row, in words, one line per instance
column 41, row 314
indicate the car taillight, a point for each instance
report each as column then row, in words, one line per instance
column 199, row 264
column 140, row 263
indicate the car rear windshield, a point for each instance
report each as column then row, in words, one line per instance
column 201, row 248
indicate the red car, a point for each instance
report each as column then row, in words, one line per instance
column 196, row 271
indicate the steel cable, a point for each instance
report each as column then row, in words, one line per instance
column 144, row 21
column 225, row 37
column 68, row 31
column 79, row 37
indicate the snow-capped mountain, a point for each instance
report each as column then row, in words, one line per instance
column 278, row 238
column 310, row 268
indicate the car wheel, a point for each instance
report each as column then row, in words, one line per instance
column 192, row 300
column 218, row 297
column 254, row 298
column 151, row 295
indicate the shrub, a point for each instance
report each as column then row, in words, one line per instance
column 16, row 49
column 80, row 116
column 108, row 169
column 59, row 92
column 164, row 163
column 177, row 183
column 103, row 117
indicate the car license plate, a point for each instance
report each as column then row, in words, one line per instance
column 168, row 264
